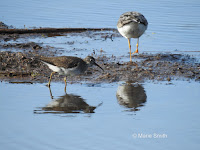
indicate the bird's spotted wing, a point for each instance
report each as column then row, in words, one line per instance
column 63, row 61
column 131, row 17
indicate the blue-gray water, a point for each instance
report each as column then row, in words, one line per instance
column 168, row 110
column 173, row 25
column 171, row 111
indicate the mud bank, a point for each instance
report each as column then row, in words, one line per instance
column 18, row 66
column 19, row 63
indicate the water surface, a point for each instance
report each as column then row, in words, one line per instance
column 173, row 25
column 171, row 111
column 103, row 116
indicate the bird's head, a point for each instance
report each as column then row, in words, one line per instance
column 91, row 61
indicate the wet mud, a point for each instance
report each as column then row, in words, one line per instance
column 22, row 64
column 18, row 66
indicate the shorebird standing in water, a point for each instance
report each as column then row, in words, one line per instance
column 68, row 65
column 132, row 25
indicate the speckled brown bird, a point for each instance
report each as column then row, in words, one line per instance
column 68, row 65
column 132, row 25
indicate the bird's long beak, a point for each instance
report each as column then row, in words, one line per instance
column 98, row 66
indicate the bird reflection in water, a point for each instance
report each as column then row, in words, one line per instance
column 68, row 103
column 131, row 96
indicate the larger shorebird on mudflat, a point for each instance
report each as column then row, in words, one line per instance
column 132, row 25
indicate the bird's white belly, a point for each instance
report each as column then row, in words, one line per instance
column 70, row 71
column 60, row 70
column 132, row 30
column 52, row 67
column 65, row 71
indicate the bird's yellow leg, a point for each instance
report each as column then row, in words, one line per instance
column 129, row 44
column 50, row 93
column 136, row 51
column 50, row 79
column 65, row 80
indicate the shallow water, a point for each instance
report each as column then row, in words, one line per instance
column 173, row 25
column 162, row 116
column 103, row 116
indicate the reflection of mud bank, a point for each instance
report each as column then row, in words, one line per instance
column 21, row 66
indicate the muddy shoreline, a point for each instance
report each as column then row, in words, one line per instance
column 21, row 64
column 18, row 66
